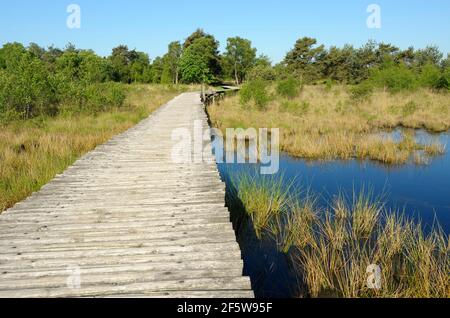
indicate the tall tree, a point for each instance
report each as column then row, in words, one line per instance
column 121, row 59
column 197, row 34
column 139, row 68
column 200, row 62
column 171, row 61
column 428, row 55
column 303, row 59
column 241, row 55
column 157, row 70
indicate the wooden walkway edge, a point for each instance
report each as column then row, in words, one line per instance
column 126, row 221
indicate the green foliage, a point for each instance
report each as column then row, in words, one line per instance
column 443, row 83
column 194, row 68
column 74, row 81
column 289, row 87
column 430, row 76
column 240, row 56
column 361, row 91
column 303, row 60
column 104, row 96
column 129, row 66
column 394, row 77
column 200, row 61
column 25, row 86
column 329, row 83
column 262, row 69
column 256, row 92
column 170, row 74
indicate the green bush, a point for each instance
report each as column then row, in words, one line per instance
column 430, row 76
column 261, row 72
column 361, row 91
column 25, row 87
column 255, row 91
column 329, row 83
column 443, row 83
column 92, row 98
column 394, row 77
column 288, row 88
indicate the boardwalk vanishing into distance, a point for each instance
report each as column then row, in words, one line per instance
column 127, row 221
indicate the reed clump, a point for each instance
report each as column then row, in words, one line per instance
column 332, row 249
column 264, row 199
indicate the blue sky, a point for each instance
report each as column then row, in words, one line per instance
column 272, row 25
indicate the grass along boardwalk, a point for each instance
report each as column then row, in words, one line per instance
column 125, row 220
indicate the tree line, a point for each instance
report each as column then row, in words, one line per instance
column 36, row 80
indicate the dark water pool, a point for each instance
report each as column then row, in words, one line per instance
column 422, row 192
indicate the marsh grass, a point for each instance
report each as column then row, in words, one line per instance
column 264, row 199
column 32, row 152
column 332, row 248
column 328, row 123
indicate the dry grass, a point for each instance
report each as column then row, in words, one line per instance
column 332, row 249
column 33, row 152
column 329, row 124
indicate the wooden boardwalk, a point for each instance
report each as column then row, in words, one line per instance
column 126, row 221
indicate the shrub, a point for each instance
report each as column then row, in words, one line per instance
column 255, row 91
column 25, row 87
column 443, row 83
column 394, row 77
column 261, row 72
column 361, row 91
column 430, row 76
column 288, row 88
column 94, row 98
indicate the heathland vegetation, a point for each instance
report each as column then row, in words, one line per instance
column 329, row 103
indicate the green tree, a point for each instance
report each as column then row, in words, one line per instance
column 200, row 62
column 197, row 34
column 121, row 60
column 262, row 69
column 337, row 63
column 171, row 63
column 428, row 55
column 241, row 55
column 25, row 84
column 303, row 60
column 394, row 77
column 139, row 68
column 157, row 70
